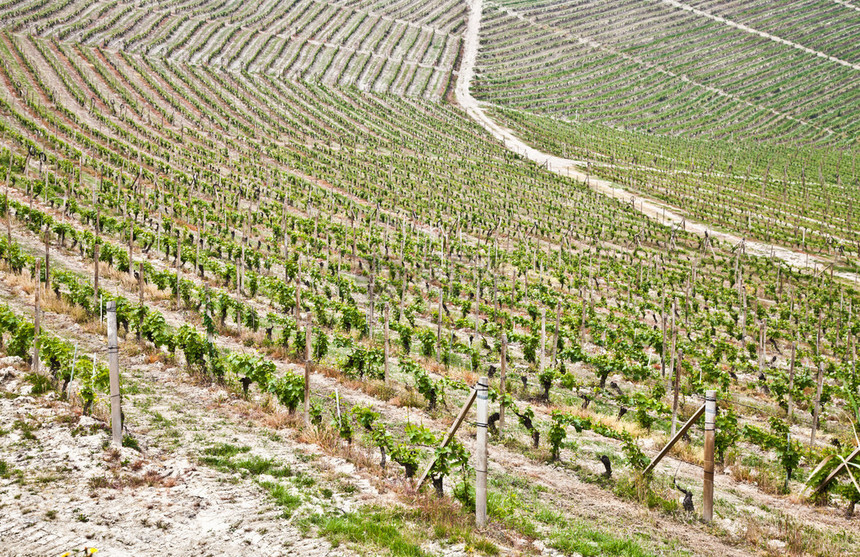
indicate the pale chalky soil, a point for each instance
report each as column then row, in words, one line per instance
column 49, row 503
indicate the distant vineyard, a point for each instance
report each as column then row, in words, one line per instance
column 406, row 49
column 673, row 68
column 828, row 26
column 802, row 197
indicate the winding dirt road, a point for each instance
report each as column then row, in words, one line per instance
column 659, row 212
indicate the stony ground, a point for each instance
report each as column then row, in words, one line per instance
column 65, row 488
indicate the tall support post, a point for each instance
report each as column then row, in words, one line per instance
column 6, row 199
column 308, row 374
column 47, row 259
column 502, row 377
column 708, row 487
column 481, row 455
column 554, row 352
column 675, row 386
column 286, row 256
column 370, row 315
column 113, row 363
column 130, row 246
column 790, row 410
column 819, row 383
column 582, row 323
column 663, row 326
column 240, row 275
column 178, row 265
column 199, row 243
column 439, row 329
column 96, row 276
column 37, row 318
column 140, row 294
column 386, row 346
column 542, row 362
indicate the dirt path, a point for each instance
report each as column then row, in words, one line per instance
column 659, row 212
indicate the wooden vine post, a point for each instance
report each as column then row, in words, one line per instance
column 819, row 383
column 36, row 319
column 370, row 315
column 663, row 325
column 675, row 385
column 450, row 435
column 502, row 376
column 298, row 295
column 6, row 200
column 554, row 347
column 708, row 486
column 96, row 275
column 386, row 345
column 130, row 246
column 790, row 409
column 439, row 329
column 542, row 355
column 481, row 455
column 113, row 363
column 179, row 238
column 240, row 275
column 140, row 295
column 47, row 259
column 308, row 363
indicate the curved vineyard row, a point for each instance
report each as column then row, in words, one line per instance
column 680, row 74
column 404, row 50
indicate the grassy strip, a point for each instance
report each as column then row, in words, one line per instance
column 517, row 505
column 380, row 529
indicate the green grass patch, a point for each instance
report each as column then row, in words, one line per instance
column 381, row 530
column 225, row 450
column 26, row 429
column 284, row 499
column 579, row 539
column 41, row 383
column 221, row 458
column 130, row 442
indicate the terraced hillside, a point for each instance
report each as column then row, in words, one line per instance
column 252, row 226
column 407, row 48
column 788, row 73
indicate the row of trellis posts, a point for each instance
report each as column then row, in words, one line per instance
column 479, row 393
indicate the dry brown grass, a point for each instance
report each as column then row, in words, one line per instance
column 95, row 327
column 753, row 533
column 410, row 398
column 466, row 376
column 766, row 481
column 682, row 450
column 440, row 512
column 281, row 420
column 612, row 421
column 127, row 281
column 22, row 281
